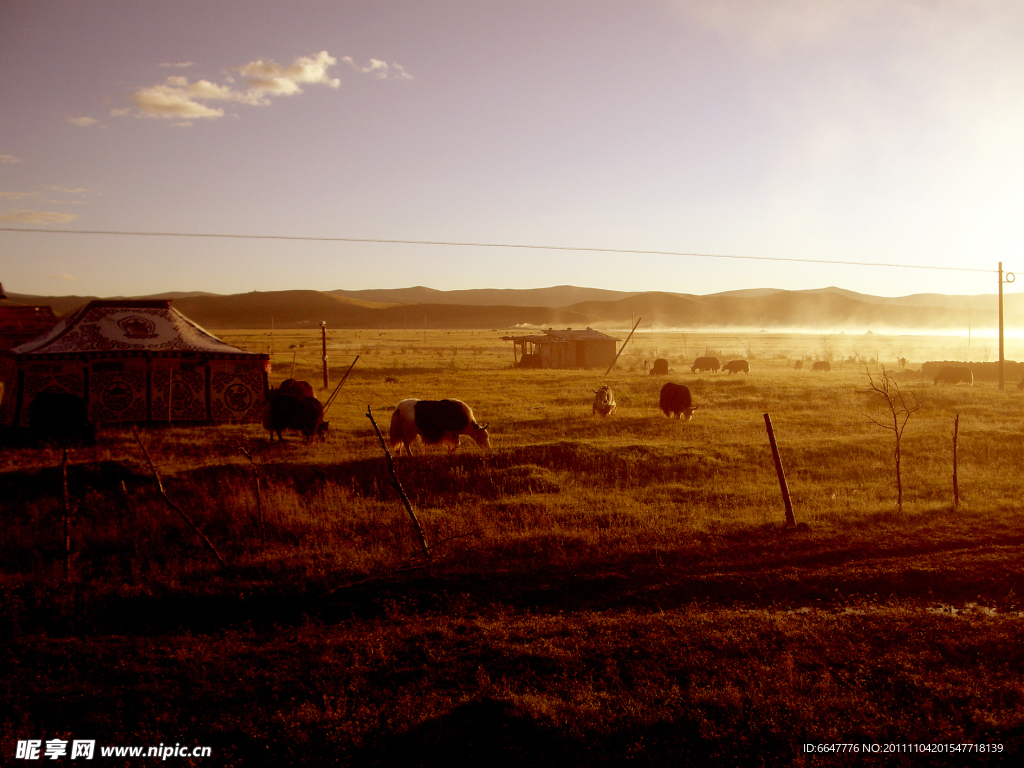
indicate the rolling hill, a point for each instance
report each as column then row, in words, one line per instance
column 570, row 306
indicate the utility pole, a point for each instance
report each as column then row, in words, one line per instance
column 1007, row 277
column 323, row 335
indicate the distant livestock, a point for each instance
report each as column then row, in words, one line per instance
column 61, row 416
column 798, row 364
column 531, row 361
column 702, row 364
column 660, row 367
column 284, row 411
column 604, row 401
column 435, row 421
column 1020, row 385
column 954, row 375
column 675, row 401
column 736, row 366
column 822, row 365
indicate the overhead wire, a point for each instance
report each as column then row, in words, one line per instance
column 522, row 246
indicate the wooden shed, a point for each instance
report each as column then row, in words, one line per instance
column 563, row 349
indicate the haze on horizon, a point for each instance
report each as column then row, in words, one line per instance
column 864, row 131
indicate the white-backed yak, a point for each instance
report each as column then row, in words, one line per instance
column 435, row 421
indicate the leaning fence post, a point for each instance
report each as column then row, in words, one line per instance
column 790, row 521
column 163, row 494
column 398, row 484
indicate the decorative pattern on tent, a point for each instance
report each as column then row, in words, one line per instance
column 137, row 361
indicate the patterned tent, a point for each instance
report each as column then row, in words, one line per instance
column 135, row 361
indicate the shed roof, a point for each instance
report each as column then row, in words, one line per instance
column 150, row 327
column 552, row 335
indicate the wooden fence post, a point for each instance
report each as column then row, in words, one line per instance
column 790, row 520
column 67, row 515
column 956, row 485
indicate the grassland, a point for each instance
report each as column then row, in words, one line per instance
column 600, row 592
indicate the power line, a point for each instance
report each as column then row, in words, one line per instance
column 582, row 249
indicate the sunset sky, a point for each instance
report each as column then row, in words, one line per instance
column 847, row 130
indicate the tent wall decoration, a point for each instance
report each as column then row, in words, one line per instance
column 136, row 361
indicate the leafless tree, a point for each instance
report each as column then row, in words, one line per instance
column 886, row 388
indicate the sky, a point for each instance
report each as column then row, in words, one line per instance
column 874, row 131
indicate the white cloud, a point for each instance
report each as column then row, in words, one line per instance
column 17, row 195
column 172, row 100
column 9, row 159
column 37, row 217
column 83, row 122
column 379, row 69
column 66, row 190
column 271, row 77
column 180, row 65
column 183, row 100
column 65, row 276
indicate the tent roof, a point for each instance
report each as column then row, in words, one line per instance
column 112, row 327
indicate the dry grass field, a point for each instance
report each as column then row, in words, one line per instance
column 600, row 591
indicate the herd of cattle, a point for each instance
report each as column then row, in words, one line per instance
column 442, row 422
column 294, row 406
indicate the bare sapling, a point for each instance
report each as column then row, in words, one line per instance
column 886, row 388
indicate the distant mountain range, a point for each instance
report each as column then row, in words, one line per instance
column 571, row 306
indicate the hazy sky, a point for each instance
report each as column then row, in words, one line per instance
column 851, row 130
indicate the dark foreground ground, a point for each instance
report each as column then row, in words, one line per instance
column 741, row 652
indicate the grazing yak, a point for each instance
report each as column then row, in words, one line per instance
column 296, row 388
column 1020, row 385
column 604, row 401
column 798, row 364
column 660, row 367
column 954, row 375
column 435, row 421
column 705, row 364
column 676, row 400
column 735, row 366
column 822, row 365
column 61, row 416
column 286, row 411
